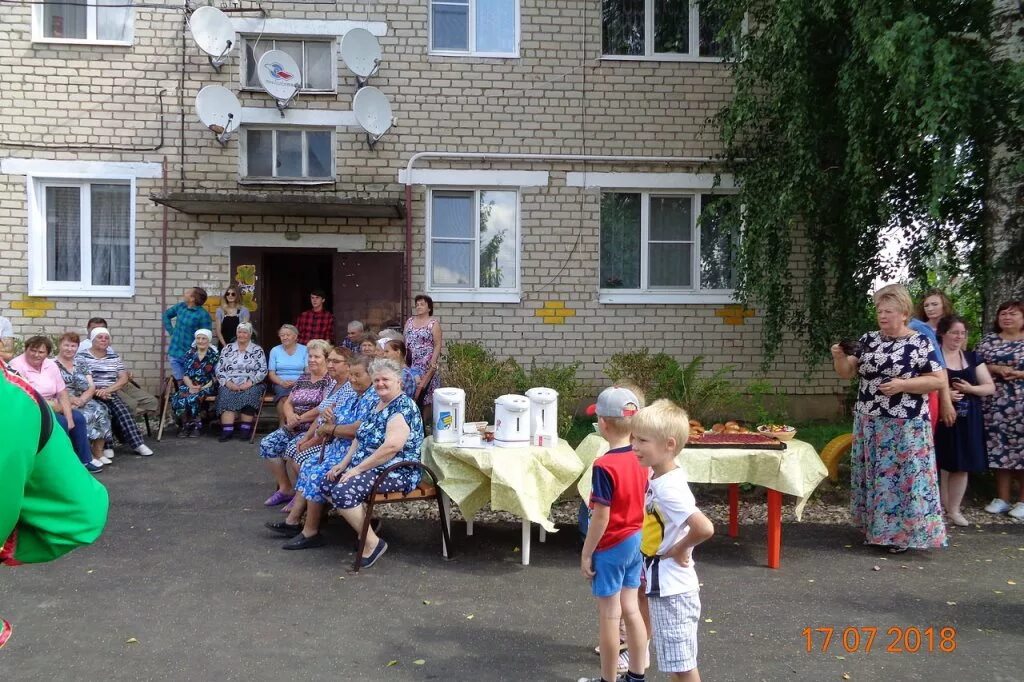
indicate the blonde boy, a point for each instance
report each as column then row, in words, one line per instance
column 673, row 526
column 611, row 552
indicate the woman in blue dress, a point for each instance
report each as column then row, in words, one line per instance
column 198, row 383
column 392, row 433
column 960, row 448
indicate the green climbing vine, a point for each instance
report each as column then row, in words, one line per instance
column 853, row 120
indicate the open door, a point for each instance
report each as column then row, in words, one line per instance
column 368, row 288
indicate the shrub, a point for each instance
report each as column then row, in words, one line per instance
column 561, row 378
column 475, row 370
column 641, row 368
column 765, row 403
column 703, row 396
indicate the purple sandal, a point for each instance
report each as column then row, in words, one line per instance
column 278, row 498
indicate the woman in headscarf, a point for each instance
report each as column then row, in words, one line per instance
column 240, row 374
column 198, row 383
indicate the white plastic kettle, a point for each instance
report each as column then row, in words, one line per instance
column 449, row 414
column 543, row 416
column 511, row 421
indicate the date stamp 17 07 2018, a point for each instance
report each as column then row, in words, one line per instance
column 896, row 639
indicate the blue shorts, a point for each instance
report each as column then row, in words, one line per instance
column 617, row 567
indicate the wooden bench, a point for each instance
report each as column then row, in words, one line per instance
column 424, row 491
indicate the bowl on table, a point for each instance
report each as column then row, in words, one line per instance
column 782, row 432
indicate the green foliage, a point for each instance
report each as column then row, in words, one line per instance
column 765, row 403
column 964, row 293
column 703, row 395
column 854, row 120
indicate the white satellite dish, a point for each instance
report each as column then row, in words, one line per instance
column 213, row 32
column 361, row 53
column 279, row 75
column 219, row 110
column 373, row 112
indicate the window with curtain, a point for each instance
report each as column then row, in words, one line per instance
column 659, row 242
column 288, row 154
column 86, row 236
column 680, row 27
column 86, row 20
column 474, row 239
column 488, row 27
column 315, row 57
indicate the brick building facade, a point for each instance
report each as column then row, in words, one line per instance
column 534, row 241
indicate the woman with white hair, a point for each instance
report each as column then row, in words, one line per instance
column 198, row 383
column 240, row 374
column 109, row 376
column 894, row 487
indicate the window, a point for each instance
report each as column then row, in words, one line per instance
column 653, row 243
column 660, row 28
column 84, row 237
column 93, row 21
column 474, row 241
column 316, row 60
column 479, row 27
column 287, row 154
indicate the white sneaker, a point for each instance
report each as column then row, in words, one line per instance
column 997, row 506
column 106, row 460
column 97, row 463
column 144, row 451
column 108, row 453
column 1018, row 511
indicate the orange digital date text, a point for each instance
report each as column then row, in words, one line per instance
column 865, row 639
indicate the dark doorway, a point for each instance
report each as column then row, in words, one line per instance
column 368, row 288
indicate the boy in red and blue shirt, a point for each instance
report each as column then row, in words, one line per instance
column 611, row 557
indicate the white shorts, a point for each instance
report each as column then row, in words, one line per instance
column 674, row 622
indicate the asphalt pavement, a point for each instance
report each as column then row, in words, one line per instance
column 185, row 584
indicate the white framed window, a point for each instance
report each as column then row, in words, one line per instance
column 660, row 29
column 666, row 247
column 103, row 22
column 473, row 245
column 317, row 59
column 82, row 237
column 485, row 28
column 287, row 154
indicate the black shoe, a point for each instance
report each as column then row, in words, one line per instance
column 184, row 431
column 284, row 528
column 224, row 436
column 300, row 541
column 195, row 431
column 368, row 561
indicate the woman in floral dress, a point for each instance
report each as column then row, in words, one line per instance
column 240, row 374
column 424, row 341
column 78, row 379
column 894, row 487
column 1003, row 353
column 198, row 383
column 392, row 433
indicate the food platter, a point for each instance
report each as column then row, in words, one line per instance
column 731, row 434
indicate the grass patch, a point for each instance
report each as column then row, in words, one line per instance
column 818, row 434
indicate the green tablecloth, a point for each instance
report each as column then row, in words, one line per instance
column 796, row 471
column 522, row 481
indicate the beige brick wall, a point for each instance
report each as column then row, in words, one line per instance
column 558, row 97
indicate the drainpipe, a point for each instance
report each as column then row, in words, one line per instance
column 163, row 279
column 498, row 156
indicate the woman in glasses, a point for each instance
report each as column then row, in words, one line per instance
column 230, row 314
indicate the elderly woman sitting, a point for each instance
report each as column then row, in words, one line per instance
column 337, row 426
column 81, row 388
column 109, row 376
column 36, row 367
column 391, row 433
column 298, row 409
column 240, row 374
column 198, row 383
column 288, row 361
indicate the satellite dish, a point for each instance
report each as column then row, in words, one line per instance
column 219, row 110
column 279, row 75
column 373, row 112
column 361, row 53
column 213, row 32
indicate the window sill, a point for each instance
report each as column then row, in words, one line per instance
column 661, row 58
column 80, row 41
column 71, row 290
column 476, row 296
column 656, row 298
column 486, row 55
column 288, row 182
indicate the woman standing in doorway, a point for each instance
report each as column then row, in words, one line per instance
column 230, row 314
column 424, row 341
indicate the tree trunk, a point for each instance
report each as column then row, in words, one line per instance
column 1004, row 205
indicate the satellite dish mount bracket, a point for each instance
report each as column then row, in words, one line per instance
column 217, row 62
column 282, row 104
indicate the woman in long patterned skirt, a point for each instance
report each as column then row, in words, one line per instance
column 198, row 383
column 893, row 482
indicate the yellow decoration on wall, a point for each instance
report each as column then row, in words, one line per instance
column 734, row 314
column 31, row 306
column 554, row 312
